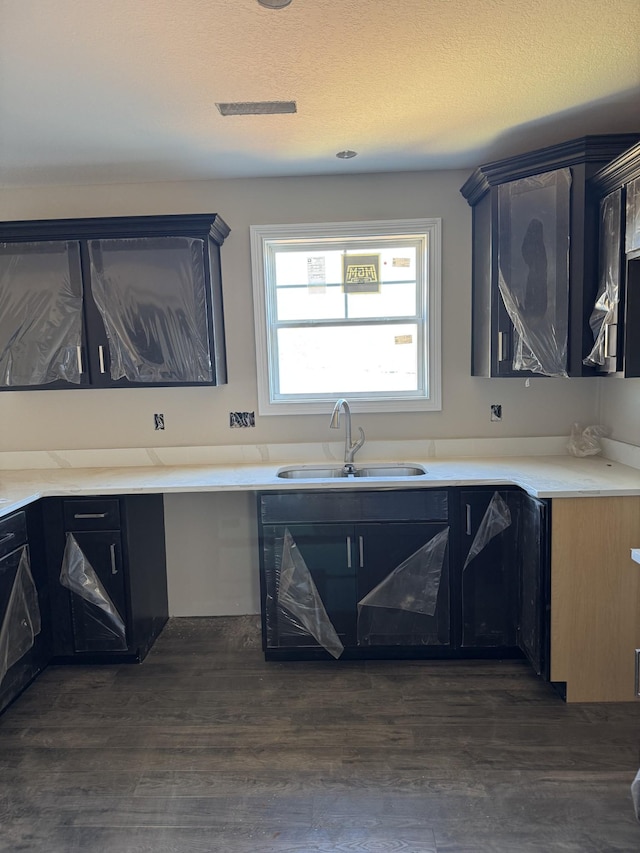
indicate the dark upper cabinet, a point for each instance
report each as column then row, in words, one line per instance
column 112, row 302
column 535, row 258
column 616, row 311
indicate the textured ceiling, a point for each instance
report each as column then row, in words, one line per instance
column 106, row 91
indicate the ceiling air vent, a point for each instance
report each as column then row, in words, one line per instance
column 257, row 108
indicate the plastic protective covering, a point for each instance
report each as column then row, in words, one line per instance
column 635, row 794
column 496, row 518
column 151, row 293
column 605, row 311
column 411, row 587
column 299, row 601
column 533, row 264
column 40, row 313
column 21, row 622
column 78, row 576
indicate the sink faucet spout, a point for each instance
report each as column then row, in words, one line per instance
column 350, row 447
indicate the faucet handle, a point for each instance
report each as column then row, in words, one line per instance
column 360, row 441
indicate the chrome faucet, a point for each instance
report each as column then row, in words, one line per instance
column 350, row 447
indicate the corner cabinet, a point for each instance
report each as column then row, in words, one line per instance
column 107, row 567
column 534, row 258
column 112, row 302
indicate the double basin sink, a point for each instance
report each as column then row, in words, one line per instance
column 316, row 472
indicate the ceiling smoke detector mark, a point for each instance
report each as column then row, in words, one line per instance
column 257, row 108
column 346, row 155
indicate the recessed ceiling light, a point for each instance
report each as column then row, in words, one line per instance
column 274, row 4
column 346, row 155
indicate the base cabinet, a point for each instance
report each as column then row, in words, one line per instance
column 423, row 573
column 25, row 641
column 107, row 567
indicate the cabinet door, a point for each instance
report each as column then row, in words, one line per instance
column 326, row 552
column 604, row 319
column 41, row 315
column 533, row 622
column 533, row 272
column 403, row 584
column 154, row 324
column 95, row 577
column 489, row 581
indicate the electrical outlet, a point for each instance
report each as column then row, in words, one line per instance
column 496, row 411
column 242, row 419
column 158, row 421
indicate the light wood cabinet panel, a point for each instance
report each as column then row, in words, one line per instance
column 595, row 597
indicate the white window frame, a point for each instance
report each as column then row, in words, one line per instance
column 429, row 267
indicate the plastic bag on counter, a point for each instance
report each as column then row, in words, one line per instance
column 496, row 518
column 21, row 623
column 298, row 595
column 77, row 575
column 586, row 441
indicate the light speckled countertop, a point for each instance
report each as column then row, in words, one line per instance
column 552, row 476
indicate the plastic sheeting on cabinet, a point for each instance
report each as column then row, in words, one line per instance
column 40, row 313
column 151, row 295
column 21, row 623
column 78, row 576
column 412, row 587
column 533, row 261
column 299, row 602
column 606, row 308
column 497, row 517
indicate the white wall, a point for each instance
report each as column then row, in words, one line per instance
column 620, row 408
column 200, row 416
column 213, row 566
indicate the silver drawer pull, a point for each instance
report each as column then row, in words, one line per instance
column 90, row 515
column 79, row 355
column 7, row 537
column 348, row 552
column 101, row 357
column 637, row 679
column 361, row 547
column 468, row 527
column 114, row 567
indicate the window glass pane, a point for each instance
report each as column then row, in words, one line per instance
column 348, row 360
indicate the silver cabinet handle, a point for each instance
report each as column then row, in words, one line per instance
column 7, row 537
column 114, row 567
column 90, row 515
column 501, row 346
column 468, row 524
column 361, row 549
column 610, row 339
column 348, row 552
column 79, row 357
column 101, row 358
column 637, row 678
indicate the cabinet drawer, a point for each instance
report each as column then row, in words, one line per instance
column 389, row 505
column 13, row 532
column 92, row 514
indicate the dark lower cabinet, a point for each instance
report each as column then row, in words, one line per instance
column 359, row 581
column 107, row 568
column 412, row 573
column 25, row 640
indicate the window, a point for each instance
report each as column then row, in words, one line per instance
column 347, row 309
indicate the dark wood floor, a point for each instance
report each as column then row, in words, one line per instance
column 205, row 747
